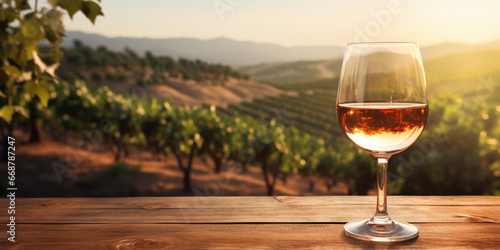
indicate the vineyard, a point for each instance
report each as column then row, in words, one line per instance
column 313, row 113
column 295, row 133
column 308, row 106
column 472, row 113
column 128, row 124
column 292, row 134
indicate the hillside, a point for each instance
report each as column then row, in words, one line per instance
column 293, row 71
column 190, row 93
column 463, row 67
column 184, row 81
column 459, row 67
column 444, row 49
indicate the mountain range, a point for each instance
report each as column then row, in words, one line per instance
column 219, row 50
column 237, row 53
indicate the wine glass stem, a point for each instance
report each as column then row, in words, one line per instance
column 382, row 188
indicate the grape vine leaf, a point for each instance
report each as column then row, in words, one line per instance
column 53, row 25
column 91, row 10
column 30, row 87
column 42, row 91
column 12, row 71
column 22, row 5
column 6, row 113
column 71, row 6
column 32, row 30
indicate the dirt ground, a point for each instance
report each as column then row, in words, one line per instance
column 190, row 93
column 36, row 177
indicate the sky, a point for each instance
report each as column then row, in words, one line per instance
column 299, row 22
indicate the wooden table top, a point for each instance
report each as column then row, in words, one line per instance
column 248, row 222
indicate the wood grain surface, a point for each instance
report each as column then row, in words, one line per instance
column 245, row 222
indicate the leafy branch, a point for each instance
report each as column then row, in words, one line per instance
column 27, row 70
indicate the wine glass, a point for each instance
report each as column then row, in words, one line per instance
column 382, row 109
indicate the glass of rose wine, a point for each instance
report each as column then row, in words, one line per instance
column 382, row 109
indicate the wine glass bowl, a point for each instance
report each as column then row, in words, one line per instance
column 382, row 109
column 382, row 128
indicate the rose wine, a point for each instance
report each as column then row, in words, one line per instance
column 381, row 128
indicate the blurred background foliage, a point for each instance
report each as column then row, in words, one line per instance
column 289, row 134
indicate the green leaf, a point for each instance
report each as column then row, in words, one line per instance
column 9, row 83
column 12, row 71
column 12, row 51
column 30, row 88
column 44, row 95
column 53, row 26
column 91, row 10
column 22, row 5
column 32, row 29
column 29, row 48
column 42, row 91
column 50, row 59
column 6, row 113
column 71, row 6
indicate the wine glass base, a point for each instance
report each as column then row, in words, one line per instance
column 400, row 231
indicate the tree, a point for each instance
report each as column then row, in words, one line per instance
column 216, row 136
column 79, row 108
column 329, row 167
column 24, row 67
column 459, row 161
column 356, row 167
column 270, row 149
column 183, row 139
column 153, row 122
column 243, row 132
column 362, row 171
column 123, row 114
column 304, row 154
